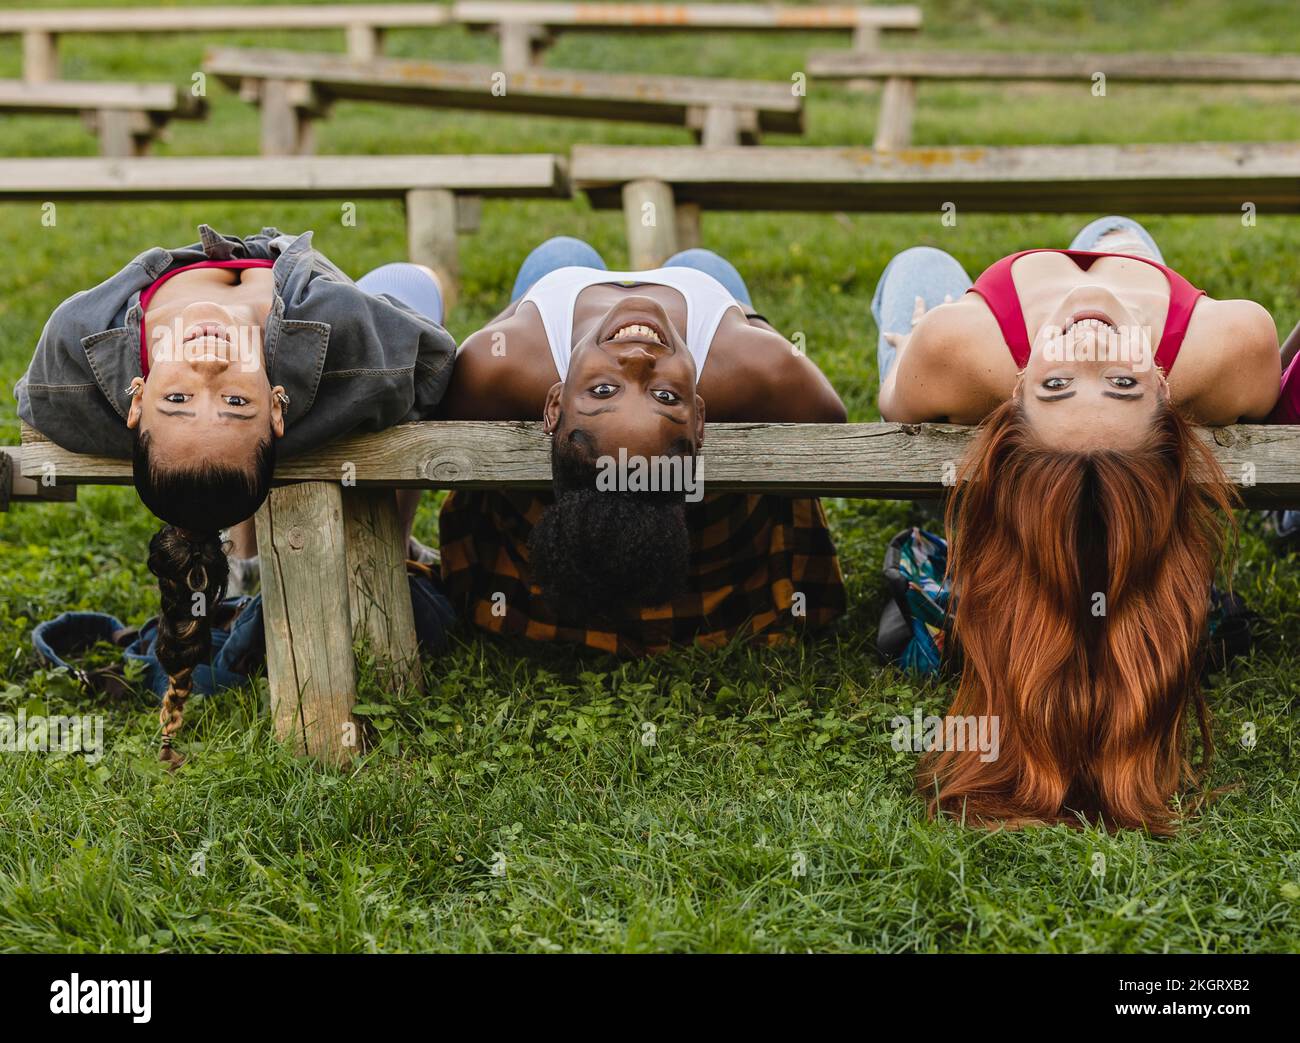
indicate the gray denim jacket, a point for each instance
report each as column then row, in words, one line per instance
column 349, row 361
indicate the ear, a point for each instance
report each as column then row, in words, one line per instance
column 551, row 410
column 136, row 410
column 699, row 421
column 277, row 411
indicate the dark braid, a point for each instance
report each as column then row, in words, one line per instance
column 188, row 558
column 186, row 564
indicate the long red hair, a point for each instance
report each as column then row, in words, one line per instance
column 1093, row 695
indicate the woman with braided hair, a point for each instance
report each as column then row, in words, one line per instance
column 203, row 363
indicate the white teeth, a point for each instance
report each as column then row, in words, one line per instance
column 636, row 330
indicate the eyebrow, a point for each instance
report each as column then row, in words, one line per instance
column 1119, row 395
column 224, row 412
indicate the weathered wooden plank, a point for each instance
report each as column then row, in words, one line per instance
column 552, row 92
column 1117, row 67
column 161, row 19
column 379, row 597
column 871, row 461
column 291, row 177
column 310, row 668
column 15, row 488
column 68, row 96
column 1199, row 178
column 649, row 17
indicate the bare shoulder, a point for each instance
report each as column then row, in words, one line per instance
column 1230, row 366
column 954, row 366
column 502, row 371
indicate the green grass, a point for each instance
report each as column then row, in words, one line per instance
column 771, row 812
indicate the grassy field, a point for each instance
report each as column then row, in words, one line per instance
column 514, row 807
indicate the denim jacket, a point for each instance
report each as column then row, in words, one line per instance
column 349, row 361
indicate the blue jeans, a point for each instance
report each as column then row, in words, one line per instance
column 566, row 252
column 932, row 274
column 408, row 283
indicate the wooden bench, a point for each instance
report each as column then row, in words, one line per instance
column 902, row 70
column 441, row 193
column 126, row 116
column 364, row 25
column 295, row 88
column 333, row 572
column 674, row 184
column 525, row 29
column 14, row 488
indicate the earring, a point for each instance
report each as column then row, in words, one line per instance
column 282, row 398
column 132, row 389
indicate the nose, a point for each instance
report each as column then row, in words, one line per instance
column 635, row 358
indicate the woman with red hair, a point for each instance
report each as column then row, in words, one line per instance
column 1087, row 520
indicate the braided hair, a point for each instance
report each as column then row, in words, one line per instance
column 188, row 557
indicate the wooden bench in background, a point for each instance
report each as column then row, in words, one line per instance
column 526, row 29
column 441, row 193
column 126, row 116
column 674, row 184
column 363, row 23
column 902, row 70
column 295, row 88
column 333, row 569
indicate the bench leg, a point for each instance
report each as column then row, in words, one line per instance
column 521, row 45
column 688, row 226
column 432, row 217
column 286, row 125
column 365, row 42
column 897, row 104
column 650, row 213
column 40, row 56
column 721, row 127
column 379, row 597
column 122, row 133
column 305, row 603
column 866, row 37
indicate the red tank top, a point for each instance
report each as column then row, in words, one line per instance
column 998, row 289
column 146, row 295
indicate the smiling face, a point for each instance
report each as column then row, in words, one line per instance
column 1091, row 381
column 631, row 385
column 207, row 396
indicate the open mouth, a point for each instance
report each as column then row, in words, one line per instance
column 1094, row 319
column 635, row 326
column 206, row 331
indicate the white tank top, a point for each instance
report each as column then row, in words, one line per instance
column 555, row 294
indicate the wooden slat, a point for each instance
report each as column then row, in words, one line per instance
column 653, row 99
column 295, row 177
column 207, row 19
column 985, row 65
column 651, row 17
column 15, row 488
column 77, row 95
column 1200, row 178
column 873, row 461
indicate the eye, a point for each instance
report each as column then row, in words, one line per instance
column 1124, row 382
column 665, row 396
column 1056, row 383
column 176, row 397
column 603, row 390
column 235, row 400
